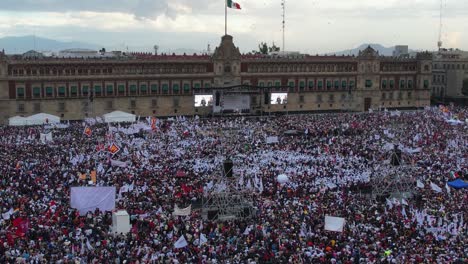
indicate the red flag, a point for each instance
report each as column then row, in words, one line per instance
column 87, row 131
column 22, row 226
column 113, row 149
column 153, row 123
column 100, row 147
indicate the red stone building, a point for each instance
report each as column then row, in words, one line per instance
column 227, row 81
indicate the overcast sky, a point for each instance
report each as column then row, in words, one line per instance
column 312, row 26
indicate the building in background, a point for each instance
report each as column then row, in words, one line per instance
column 450, row 76
column 401, row 51
column 169, row 85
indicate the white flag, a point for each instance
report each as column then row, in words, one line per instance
column 436, row 188
column 203, row 239
column 181, row 243
column 419, row 184
column 447, row 188
column 182, row 212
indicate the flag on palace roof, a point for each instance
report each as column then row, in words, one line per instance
column 232, row 4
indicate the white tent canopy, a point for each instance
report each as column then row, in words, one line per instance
column 118, row 117
column 17, row 121
column 37, row 119
column 42, row 118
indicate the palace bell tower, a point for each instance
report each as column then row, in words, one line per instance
column 227, row 63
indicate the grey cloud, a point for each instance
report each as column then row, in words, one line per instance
column 147, row 9
column 141, row 9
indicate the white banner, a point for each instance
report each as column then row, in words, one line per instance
column 118, row 163
column 46, row 137
column 86, row 199
column 335, row 224
column 182, row 212
column 272, row 140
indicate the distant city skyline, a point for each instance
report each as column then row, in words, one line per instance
column 312, row 26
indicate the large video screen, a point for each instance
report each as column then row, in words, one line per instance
column 202, row 100
column 279, row 98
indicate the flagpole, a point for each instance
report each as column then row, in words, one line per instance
column 225, row 17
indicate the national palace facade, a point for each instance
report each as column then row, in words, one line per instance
column 166, row 85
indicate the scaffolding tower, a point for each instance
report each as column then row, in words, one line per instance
column 226, row 200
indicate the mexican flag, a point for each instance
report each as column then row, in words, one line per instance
column 232, row 4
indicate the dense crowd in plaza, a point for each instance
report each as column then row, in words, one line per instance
column 327, row 159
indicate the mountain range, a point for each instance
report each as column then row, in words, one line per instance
column 22, row 44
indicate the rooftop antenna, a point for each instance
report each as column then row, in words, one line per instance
column 439, row 43
column 208, row 49
column 283, row 6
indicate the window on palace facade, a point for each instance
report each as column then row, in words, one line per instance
column 390, row 96
column 20, row 107
column 319, row 98
column 311, row 84
column 301, row 85
column 269, row 84
column 368, row 83
column 400, row 95
column 85, row 90
column 331, row 98
column 37, row 107
column 110, row 104
column 49, row 91
column 61, row 91
column 391, row 84
column 320, row 85
column 426, row 84
column 154, row 88
column 20, row 91
column 343, row 85
column 410, row 84
column 175, row 102
column 384, row 84
column 132, row 103
column 277, row 84
column 109, row 89
column 165, row 88
column 261, row 84
column 61, row 106
column 73, row 90
column 351, row 84
column 186, row 88
column 329, row 85
column 36, row 92
column 143, row 88
column 402, row 84
column 301, row 99
column 121, row 88
column 175, row 88
column 97, row 90
column 343, row 97
column 337, row 85
column 384, row 96
column 133, row 89
column 207, row 85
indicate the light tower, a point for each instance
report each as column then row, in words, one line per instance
column 439, row 43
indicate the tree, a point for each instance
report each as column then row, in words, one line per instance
column 264, row 49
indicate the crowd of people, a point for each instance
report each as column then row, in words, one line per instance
column 158, row 165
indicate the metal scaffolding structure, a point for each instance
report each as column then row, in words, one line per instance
column 394, row 178
column 226, row 200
